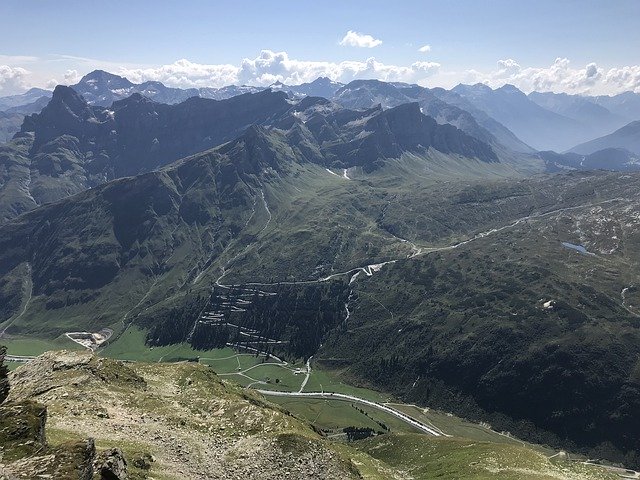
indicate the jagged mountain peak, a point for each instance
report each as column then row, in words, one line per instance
column 37, row 91
column 133, row 99
column 477, row 87
column 307, row 102
column 68, row 96
column 509, row 88
column 66, row 113
column 322, row 81
column 257, row 150
column 109, row 79
column 366, row 81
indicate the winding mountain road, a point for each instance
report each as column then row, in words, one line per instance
column 371, row 269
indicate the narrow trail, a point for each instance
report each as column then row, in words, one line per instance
column 371, row 269
column 255, row 350
column 233, row 241
column 28, row 285
column 415, row 250
column 253, row 212
column 306, row 378
column 142, row 300
column 204, row 268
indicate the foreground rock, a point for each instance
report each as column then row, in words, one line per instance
column 159, row 421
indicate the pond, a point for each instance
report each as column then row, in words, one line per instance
column 579, row 248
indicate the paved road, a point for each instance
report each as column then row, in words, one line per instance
column 340, row 396
column 18, row 358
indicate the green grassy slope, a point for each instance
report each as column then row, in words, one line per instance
column 485, row 328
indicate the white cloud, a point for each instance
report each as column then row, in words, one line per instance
column 19, row 73
column 425, row 49
column 560, row 76
column 72, row 77
column 624, row 79
column 507, row 67
column 269, row 67
column 13, row 80
column 184, row 74
column 355, row 39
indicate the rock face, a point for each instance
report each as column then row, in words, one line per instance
column 26, row 454
column 22, row 425
column 136, row 134
column 86, row 453
column 72, row 146
column 111, row 465
column 4, row 380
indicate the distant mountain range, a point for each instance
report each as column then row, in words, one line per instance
column 106, row 127
column 367, row 93
column 71, row 145
column 26, row 98
column 617, row 159
column 14, row 108
column 502, row 117
column 103, row 88
column 627, row 137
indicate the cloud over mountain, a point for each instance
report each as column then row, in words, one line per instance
column 12, row 79
column 355, row 39
column 560, row 76
column 20, row 73
column 270, row 66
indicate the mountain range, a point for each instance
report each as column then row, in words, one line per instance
column 403, row 236
column 627, row 137
column 71, row 146
column 504, row 116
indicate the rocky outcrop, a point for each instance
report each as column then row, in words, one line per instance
column 25, row 453
column 111, row 465
column 182, row 423
column 4, row 380
column 22, row 428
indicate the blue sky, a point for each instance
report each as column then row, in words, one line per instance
column 57, row 41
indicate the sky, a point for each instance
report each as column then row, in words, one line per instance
column 572, row 46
